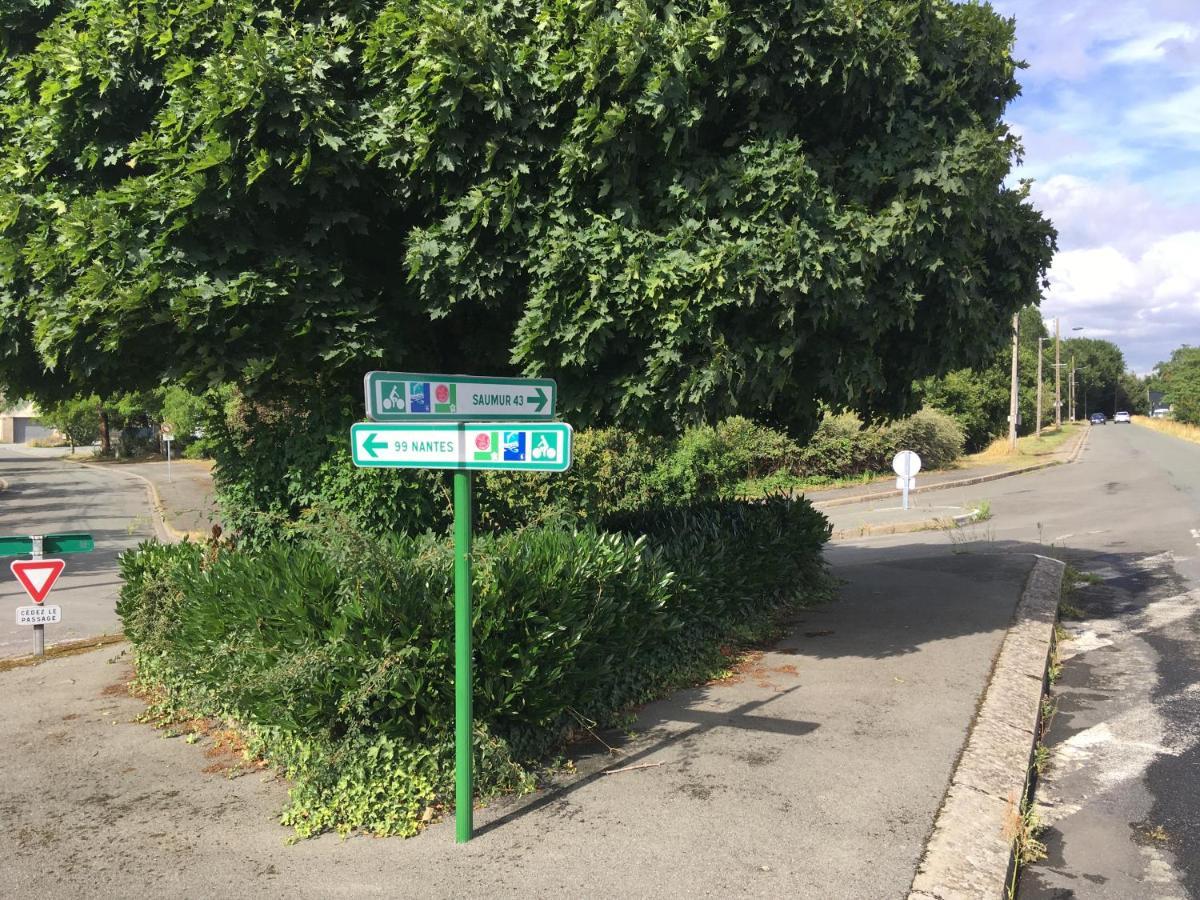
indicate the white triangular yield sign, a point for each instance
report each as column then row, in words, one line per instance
column 37, row 576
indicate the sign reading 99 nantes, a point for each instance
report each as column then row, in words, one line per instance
column 532, row 447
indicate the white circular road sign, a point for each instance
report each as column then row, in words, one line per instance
column 906, row 464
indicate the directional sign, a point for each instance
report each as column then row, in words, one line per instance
column 37, row 576
column 521, row 446
column 38, row 615
column 413, row 397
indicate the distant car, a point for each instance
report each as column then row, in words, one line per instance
column 1160, row 413
column 1122, row 417
column 1098, row 419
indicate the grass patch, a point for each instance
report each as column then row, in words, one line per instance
column 756, row 488
column 1170, row 426
column 1029, row 447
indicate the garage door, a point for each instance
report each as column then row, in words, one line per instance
column 26, row 430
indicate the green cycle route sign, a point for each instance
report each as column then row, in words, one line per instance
column 469, row 422
column 414, row 397
column 516, row 446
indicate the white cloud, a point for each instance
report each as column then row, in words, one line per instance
column 1092, row 279
column 1146, row 302
column 1075, row 42
column 1173, row 119
column 1159, row 42
column 1089, row 212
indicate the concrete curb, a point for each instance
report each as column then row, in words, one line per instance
column 961, row 482
column 908, row 527
column 971, row 852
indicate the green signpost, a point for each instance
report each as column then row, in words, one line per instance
column 413, row 397
column 429, row 430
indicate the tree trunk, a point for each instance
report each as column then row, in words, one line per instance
column 105, row 441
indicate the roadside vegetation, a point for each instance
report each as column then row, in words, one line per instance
column 1028, row 447
column 1172, row 427
column 330, row 652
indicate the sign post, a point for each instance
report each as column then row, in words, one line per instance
column 462, row 423
column 906, row 464
column 37, row 575
column 39, row 628
column 167, row 430
column 464, row 788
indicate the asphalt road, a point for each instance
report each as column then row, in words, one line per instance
column 816, row 774
column 46, row 495
column 1121, row 794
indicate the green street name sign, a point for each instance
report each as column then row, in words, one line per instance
column 69, row 542
column 519, row 446
column 411, row 397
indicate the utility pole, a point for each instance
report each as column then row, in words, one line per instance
column 1057, row 376
column 1071, row 390
column 1013, row 407
column 1039, row 399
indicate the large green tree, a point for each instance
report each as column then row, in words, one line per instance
column 1099, row 375
column 679, row 210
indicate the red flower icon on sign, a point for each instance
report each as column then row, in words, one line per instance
column 442, row 393
column 483, row 442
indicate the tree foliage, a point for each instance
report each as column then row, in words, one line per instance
column 1179, row 378
column 76, row 419
column 979, row 398
column 680, row 211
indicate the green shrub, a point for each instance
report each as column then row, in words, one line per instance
column 336, row 650
column 611, row 472
column 936, row 437
column 842, row 448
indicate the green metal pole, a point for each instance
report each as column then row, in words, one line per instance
column 463, row 792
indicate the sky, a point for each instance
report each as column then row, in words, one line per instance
column 1110, row 119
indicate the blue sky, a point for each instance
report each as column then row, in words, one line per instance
column 1110, row 119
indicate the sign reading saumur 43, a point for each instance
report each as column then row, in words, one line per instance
column 409, row 397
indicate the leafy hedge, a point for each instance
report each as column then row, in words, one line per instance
column 335, row 651
column 615, row 471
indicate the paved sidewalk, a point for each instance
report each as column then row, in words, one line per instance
column 185, row 498
column 926, row 512
column 815, row 773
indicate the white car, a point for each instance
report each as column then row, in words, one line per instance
column 1121, row 417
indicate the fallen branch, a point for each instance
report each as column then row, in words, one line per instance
column 631, row 768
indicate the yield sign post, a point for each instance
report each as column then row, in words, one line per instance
column 37, row 576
